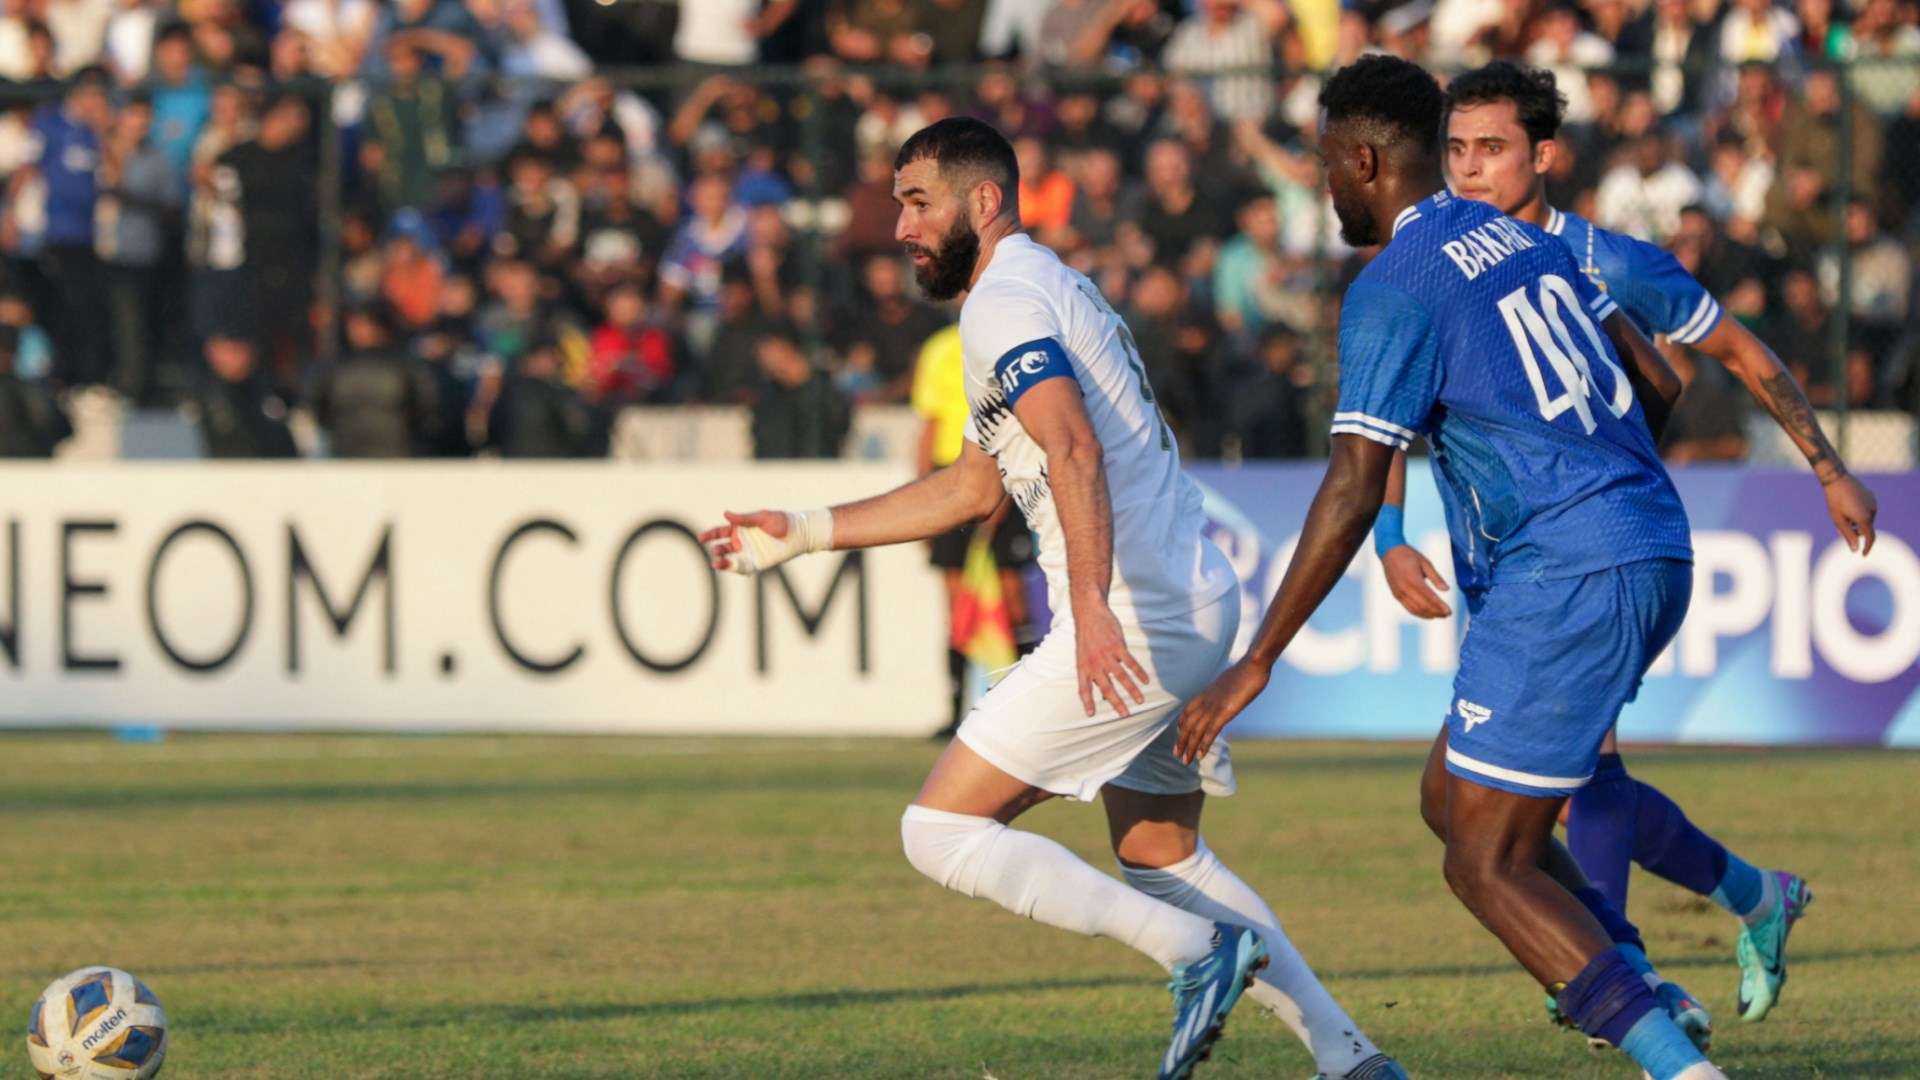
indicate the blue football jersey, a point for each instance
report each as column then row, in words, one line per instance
column 1646, row 281
column 1481, row 333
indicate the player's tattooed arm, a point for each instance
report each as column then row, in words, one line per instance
column 1654, row 381
column 1849, row 502
column 1337, row 524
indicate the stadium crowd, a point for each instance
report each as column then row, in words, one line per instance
column 449, row 226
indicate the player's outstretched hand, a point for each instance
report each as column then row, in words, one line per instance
column 730, row 546
column 1412, row 579
column 1205, row 716
column 1853, row 508
column 1104, row 661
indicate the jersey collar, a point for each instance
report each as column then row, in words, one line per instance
column 1413, row 213
column 1556, row 221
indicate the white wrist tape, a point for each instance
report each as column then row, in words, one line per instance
column 807, row 532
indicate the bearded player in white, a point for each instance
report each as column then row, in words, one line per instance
column 1145, row 613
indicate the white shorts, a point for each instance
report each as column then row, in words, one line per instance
column 1032, row 726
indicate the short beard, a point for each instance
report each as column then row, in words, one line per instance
column 1357, row 227
column 949, row 270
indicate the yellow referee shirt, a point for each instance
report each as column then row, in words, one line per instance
column 940, row 393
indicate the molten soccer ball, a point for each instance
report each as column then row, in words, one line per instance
column 98, row 1023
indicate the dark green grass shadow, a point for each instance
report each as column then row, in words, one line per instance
column 464, row 1014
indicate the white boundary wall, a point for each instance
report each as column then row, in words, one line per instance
column 461, row 596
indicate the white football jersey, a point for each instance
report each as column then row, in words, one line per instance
column 1025, row 297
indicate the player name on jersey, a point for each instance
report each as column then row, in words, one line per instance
column 1481, row 249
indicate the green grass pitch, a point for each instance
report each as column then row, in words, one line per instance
column 518, row 908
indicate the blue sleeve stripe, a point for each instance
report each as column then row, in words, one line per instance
column 1705, row 318
column 1365, row 432
column 1604, row 311
column 1023, row 367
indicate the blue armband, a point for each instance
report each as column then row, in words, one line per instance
column 1025, row 366
column 1388, row 529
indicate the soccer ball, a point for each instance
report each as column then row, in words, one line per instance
column 98, row 1023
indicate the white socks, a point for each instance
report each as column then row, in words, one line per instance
column 1202, row 884
column 1031, row 875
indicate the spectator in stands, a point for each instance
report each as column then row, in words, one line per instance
column 952, row 29
column 533, row 50
column 336, row 32
column 1798, row 331
column 518, row 316
column 1736, row 188
column 1046, row 193
column 1717, row 261
column 1249, row 280
column 769, row 260
column 887, row 334
column 537, row 415
column 1097, row 207
column 730, row 368
column 140, row 195
column 798, row 412
column 1225, row 36
column 1709, row 421
column 1644, row 194
column 235, row 412
column 32, row 422
column 444, row 32
column 715, row 232
column 1169, row 210
column 1885, row 37
column 543, row 211
column 1568, row 50
column 1881, row 283
column 1902, row 168
column 871, row 210
column 128, row 49
column 723, row 32
column 274, row 177
column 181, row 98
column 1683, row 51
column 79, row 32
column 1800, row 207
column 1268, row 413
column 411, row 273
column 377, row 402
column 413, row 119
column 634, row 358
column 877, row 31
column 1179, row 356
column 1756, row 31
column 69, row 136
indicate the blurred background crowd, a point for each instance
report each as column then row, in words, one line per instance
column 447, row 227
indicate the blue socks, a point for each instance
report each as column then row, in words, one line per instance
column 1741, row 888
column 1601, row 827
column 1609, row 1000
column 1619, row 929
column 1660, row 1047
column 1616, row 820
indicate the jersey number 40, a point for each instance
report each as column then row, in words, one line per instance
column 1543, row 327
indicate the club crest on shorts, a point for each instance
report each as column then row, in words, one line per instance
column 1472, row 714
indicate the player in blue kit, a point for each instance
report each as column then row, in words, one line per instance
column 1480, row 333
column 1501, row 122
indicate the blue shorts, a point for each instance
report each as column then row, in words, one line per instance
column 1546, row 667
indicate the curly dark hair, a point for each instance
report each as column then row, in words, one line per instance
column 1395, row 93
column 1535, row 95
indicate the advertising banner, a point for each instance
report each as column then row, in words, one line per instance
column 452, row 596
column 1790, row 638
